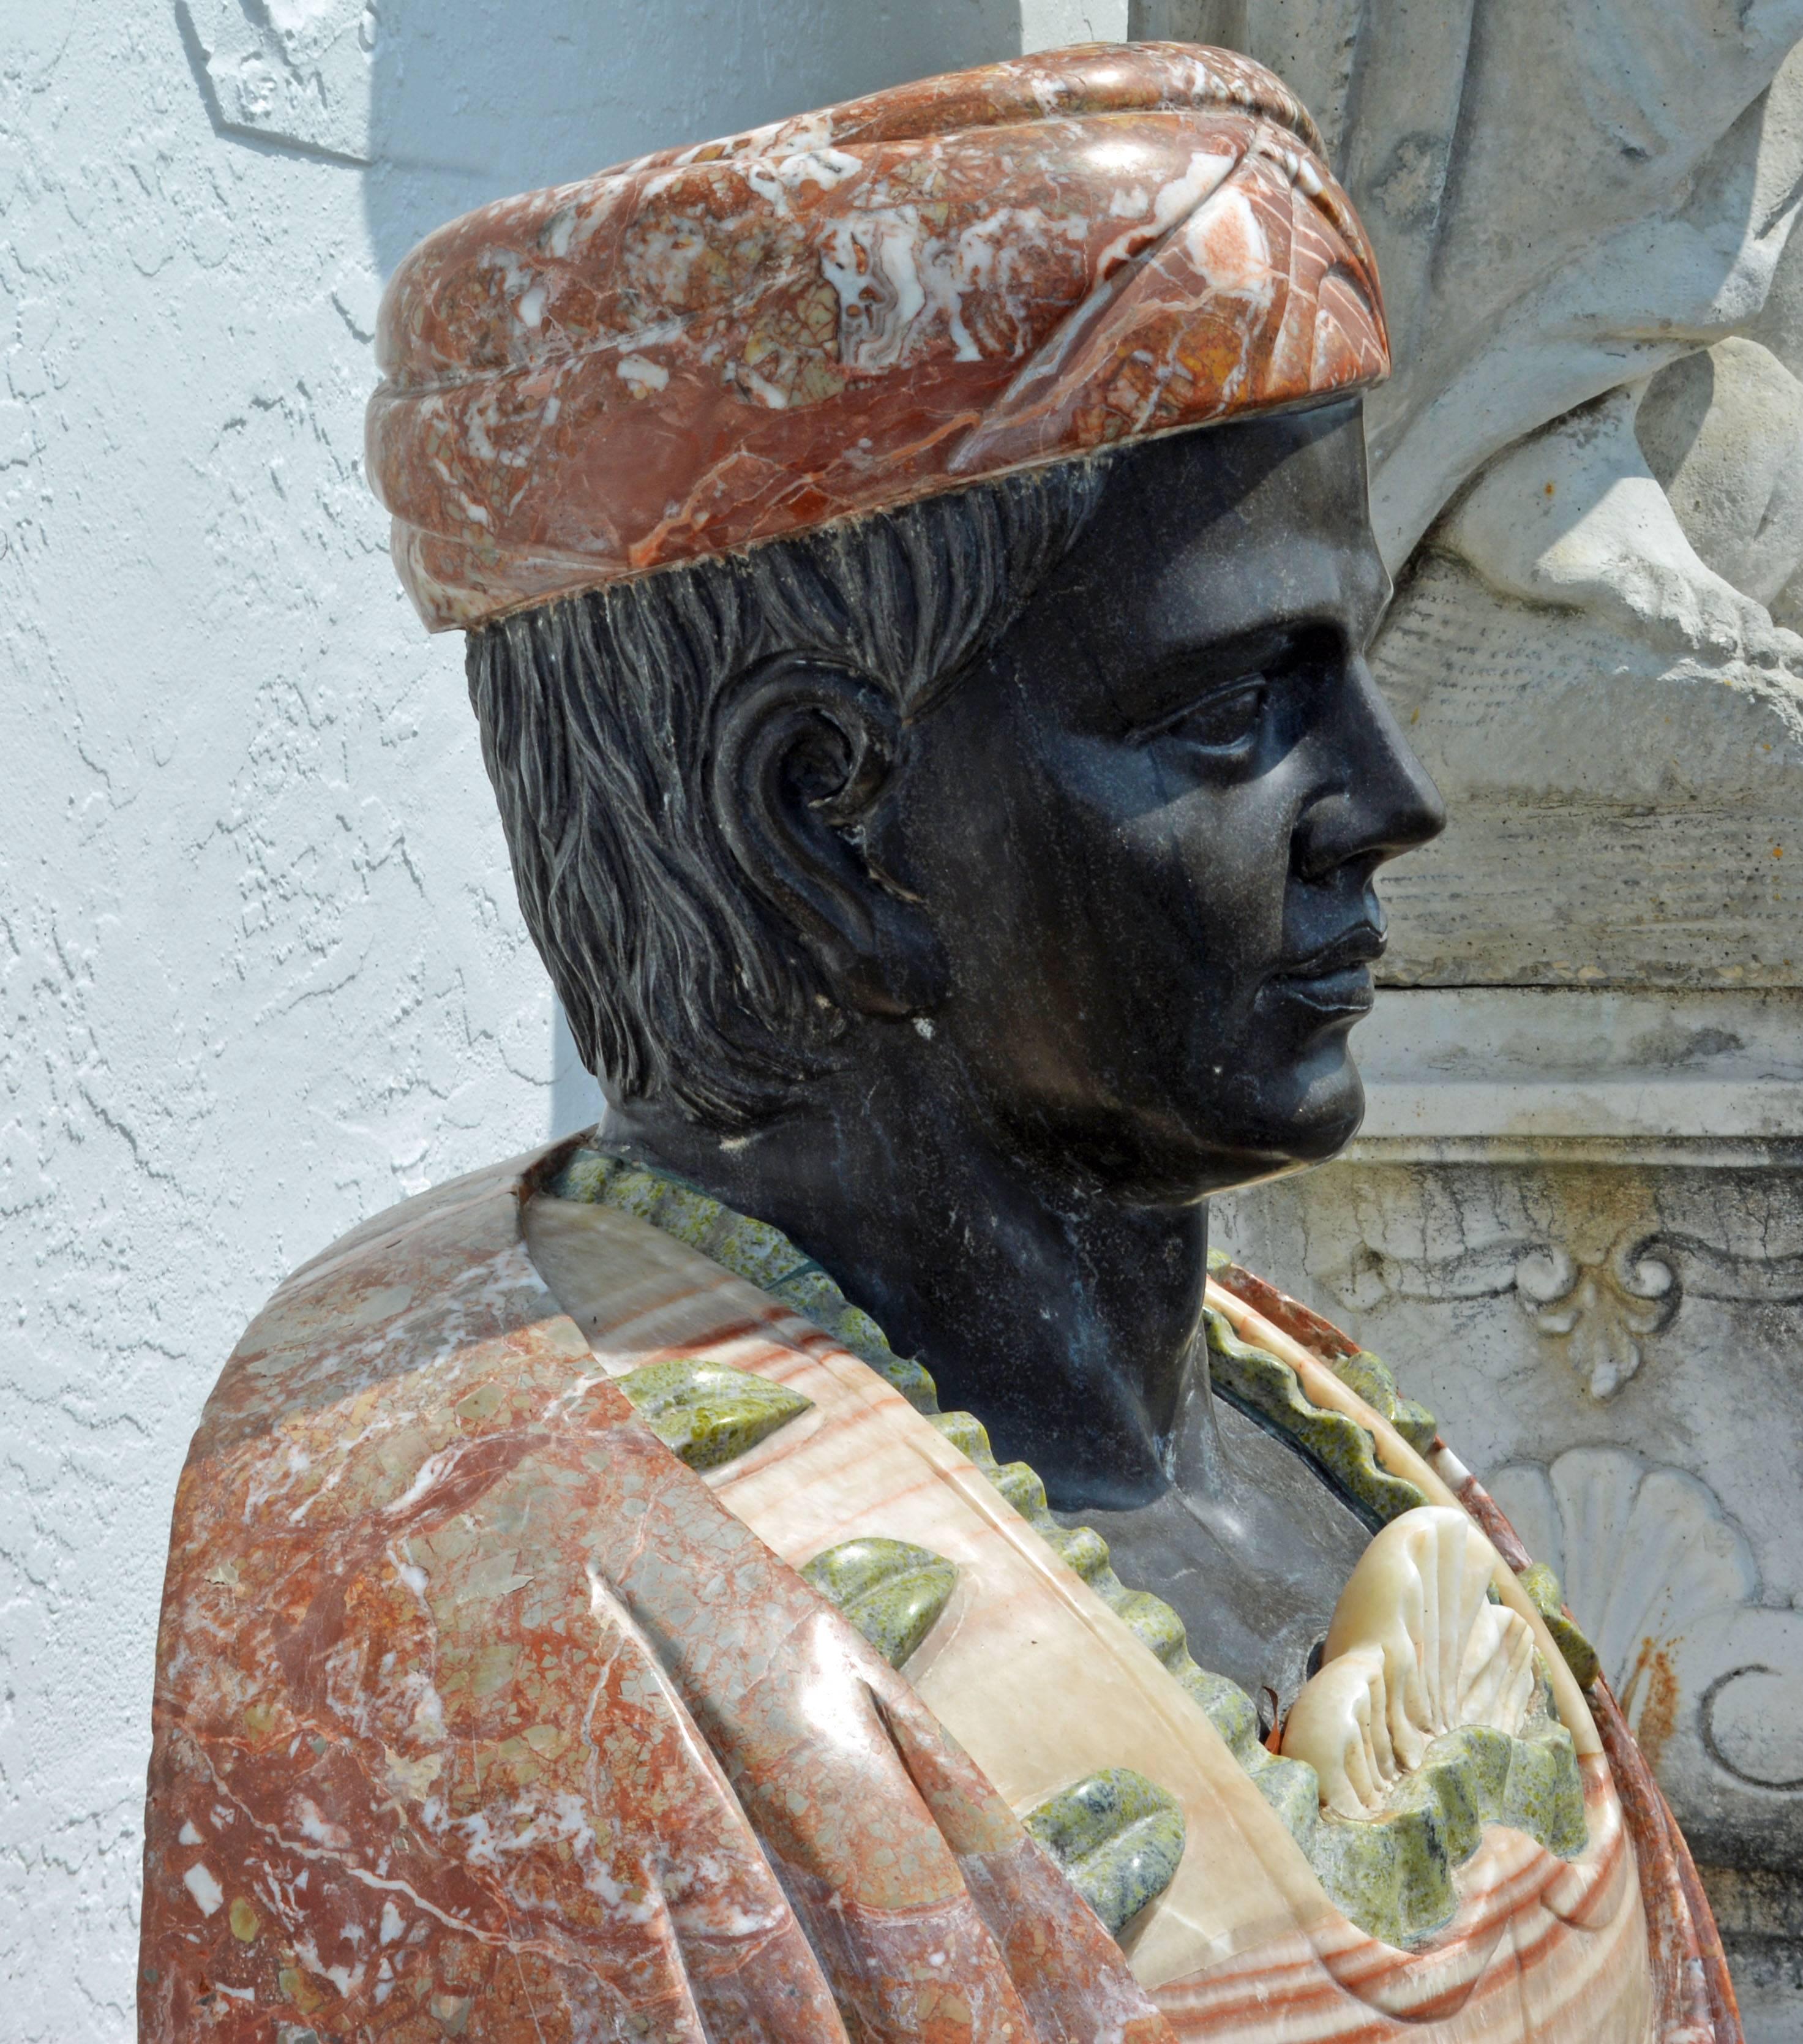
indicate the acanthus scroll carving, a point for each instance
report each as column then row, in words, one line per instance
column 1601, row 1260
column 1601, row 1311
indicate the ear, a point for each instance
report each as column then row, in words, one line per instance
column 801, row 750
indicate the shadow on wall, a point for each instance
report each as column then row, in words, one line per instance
column 473, row 99
column 577, row 1100
column 443, row 104
column 439, row 106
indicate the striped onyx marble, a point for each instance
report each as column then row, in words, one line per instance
column 472, row 1693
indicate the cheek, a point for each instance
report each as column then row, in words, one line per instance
column 1213, row 866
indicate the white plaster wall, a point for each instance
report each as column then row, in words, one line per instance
column 263, row 969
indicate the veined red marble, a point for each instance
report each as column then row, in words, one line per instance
column 845, row 311
column 479, row 1715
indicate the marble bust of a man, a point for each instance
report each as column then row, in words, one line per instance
column 819, row 1556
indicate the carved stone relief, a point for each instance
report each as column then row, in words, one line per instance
column 289, row 71
column 1711, row 1676
column 1602, row 1310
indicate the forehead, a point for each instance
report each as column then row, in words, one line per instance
column 1223, row 534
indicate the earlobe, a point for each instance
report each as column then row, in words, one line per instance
column 801, row 752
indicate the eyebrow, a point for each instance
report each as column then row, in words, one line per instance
column 1184, row 672
column 1342, row 588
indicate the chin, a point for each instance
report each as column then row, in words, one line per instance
column 1320, row 1109
column 1282, row 1122
column 1180, row 1149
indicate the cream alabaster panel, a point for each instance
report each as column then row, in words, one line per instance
column 1526, row 1958
column 596, row 1263
column 1027, row 1668
column 1042, row 1684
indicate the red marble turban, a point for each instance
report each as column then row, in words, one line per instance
column 726, row 344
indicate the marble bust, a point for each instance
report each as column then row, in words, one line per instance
column 820, row 1556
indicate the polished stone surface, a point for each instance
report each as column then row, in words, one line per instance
column 477, row 1708
column 725, row 343
column 1252, row 1552
column 390, row 1787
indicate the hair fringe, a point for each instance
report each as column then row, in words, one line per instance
column 594, row 711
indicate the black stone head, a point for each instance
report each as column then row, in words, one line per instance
column 1009, row 858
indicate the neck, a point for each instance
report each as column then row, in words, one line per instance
column 1063, row 1318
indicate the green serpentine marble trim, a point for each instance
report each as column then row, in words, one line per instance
column 891, row 1590
column 753, row 1249
column 1270, row 1391
column 1372, row 1378
column 1547, row 1597
column 709, row 1413
column 1118, row 1837
column 1392, row 1874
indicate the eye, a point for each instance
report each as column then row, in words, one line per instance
column 1227, row 719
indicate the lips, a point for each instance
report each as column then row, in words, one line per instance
column 1335, row 980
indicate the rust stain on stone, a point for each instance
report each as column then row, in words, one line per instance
column 1652, row 1677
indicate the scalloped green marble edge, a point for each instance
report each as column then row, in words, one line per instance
column 1373, row 1381
column 753, row 1249
column 1391, row 1875
column 891, row 1590
column 1118, row 1837
column 1269, row 1389
column 1543, row 1592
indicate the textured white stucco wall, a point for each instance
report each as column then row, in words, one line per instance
column 263, row 969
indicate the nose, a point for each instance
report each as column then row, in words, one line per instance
column 1373, row 799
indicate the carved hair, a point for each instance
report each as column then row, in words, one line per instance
column 594, row 712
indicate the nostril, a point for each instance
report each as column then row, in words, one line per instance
column 1431, row 819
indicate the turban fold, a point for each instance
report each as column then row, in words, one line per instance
column 840, row 312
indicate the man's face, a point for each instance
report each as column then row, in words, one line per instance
column 1145, row 828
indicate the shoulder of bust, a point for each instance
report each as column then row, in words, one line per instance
column 437, row 1209
column 444, row 1272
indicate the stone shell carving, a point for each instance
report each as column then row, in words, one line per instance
column 1709, row 1674
column 1646, row 1557
column 1416, row 1650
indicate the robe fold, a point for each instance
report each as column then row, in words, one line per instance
column 480, row 1713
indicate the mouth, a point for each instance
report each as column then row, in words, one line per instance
column 1335, row 980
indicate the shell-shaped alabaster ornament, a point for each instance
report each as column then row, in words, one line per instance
column 1416, row 1650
